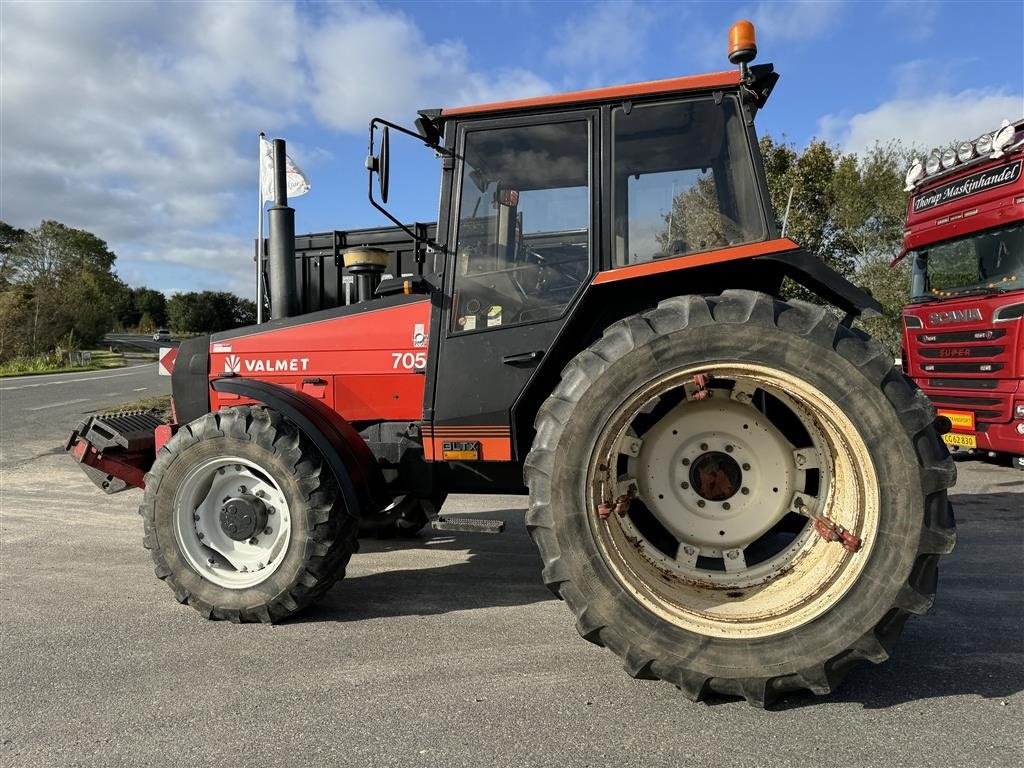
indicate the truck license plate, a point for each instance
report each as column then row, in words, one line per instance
column 961, row 441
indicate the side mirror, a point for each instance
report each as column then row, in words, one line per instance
column 379, row 163
column 383, row 165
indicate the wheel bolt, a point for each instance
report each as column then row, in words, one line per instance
column 241, row 489
column 270, row 510
column 703, row 446
column 196, row 518
column 686, row 462
column 254, row 541
column 700, row 502
column 684, row 486
column 725, row 505
column 746, row 467
column 744, row 491
column 200, row 534
column 728, row 449
column 267, row 529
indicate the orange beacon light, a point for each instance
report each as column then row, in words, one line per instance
column 742, row 43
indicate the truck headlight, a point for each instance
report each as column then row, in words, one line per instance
column 1018, row 411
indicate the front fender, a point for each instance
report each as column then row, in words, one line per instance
column 344, row 450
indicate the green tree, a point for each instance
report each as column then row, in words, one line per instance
column 209, row 311
column 60, row 289
column 9, row 238
column 849, row 209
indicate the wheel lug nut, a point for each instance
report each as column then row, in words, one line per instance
column 254, row 541
column 200, row 534
column 684, row 486
column 700, row 502
column 267, row 529
column 728, row 449
column 270, row 510
column 725, row 505
column 241, row 489
column 686, row 462
column 196, row 518
column 744, row 491
column 746, row 467
column 703, row 446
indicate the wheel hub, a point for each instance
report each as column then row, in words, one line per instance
column 716, row 476
column 243, row 516
column 716, row 473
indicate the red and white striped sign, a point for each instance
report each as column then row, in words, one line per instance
column 166, row 363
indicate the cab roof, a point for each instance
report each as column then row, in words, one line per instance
column 726, row 79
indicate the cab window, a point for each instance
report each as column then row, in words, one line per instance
column 683, row 180
column 524, row 226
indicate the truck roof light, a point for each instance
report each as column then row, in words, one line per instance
column 949, row 158
column 984, row 144
column 1002, row 139
column 914, row 175
column 933, row 163
column 965, row 151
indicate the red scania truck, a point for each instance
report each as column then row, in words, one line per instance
column 963, row 333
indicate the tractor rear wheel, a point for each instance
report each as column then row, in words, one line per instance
column 739, row 495
column 244, row 519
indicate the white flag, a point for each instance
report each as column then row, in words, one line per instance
column 297, row 182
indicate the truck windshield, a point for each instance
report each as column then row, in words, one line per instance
column 984, row 262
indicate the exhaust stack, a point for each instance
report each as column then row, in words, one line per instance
column 281, row 248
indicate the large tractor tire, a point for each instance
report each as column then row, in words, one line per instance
column 244, row 519
column 740, row 496
column 405, row 517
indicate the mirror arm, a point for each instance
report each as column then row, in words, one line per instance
column 372, row 165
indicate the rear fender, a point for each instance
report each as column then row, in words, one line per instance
column 346, row 453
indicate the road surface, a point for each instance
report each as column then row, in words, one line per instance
column 443, row 651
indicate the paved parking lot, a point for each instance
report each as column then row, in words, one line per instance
column 448, row 650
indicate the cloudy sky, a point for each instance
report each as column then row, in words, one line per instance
column 138, row 121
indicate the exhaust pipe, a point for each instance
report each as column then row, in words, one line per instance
column 281, row 248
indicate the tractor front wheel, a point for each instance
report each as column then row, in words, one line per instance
column 244, row 519
column 739, row 495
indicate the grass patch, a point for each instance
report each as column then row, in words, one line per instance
column 102, row 359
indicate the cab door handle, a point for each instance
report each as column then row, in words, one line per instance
column 522, row 357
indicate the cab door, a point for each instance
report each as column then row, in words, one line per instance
column 522, row 250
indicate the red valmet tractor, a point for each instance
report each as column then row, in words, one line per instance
column 733, row 492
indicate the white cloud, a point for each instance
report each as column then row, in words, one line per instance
column 796, row 20
column 138, row 121
column 924, row 122
column 603, row 41
column 367, row 62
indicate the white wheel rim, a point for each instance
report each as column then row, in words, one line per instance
column 738, row 564
column 201, row 537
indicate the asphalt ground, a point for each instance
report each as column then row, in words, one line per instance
column 444, row 651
